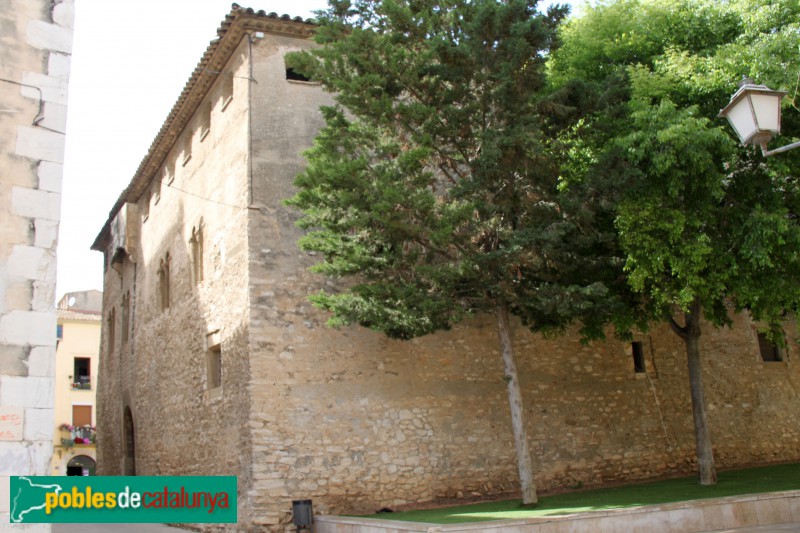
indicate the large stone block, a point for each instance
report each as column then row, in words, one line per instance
column 55, row 117
column 46, row 233
column 39, row 144
column 18, row 294
column 49, row 36
column 50, row 89
column 59, row 65
column 15, row 459
column 12, row 423
column 28, row 327
column 64, row 13
column 43, row 296
column 12, row 360
column 51, row 176
column 39, row 424
column 30, row 262
column 41, row 361
column 35, row 203
column 5, row 496
column 36, row 392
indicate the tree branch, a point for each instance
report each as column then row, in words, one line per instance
column 679, row 330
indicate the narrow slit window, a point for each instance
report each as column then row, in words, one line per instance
column 126, row 303
column 227, row 90
column 112, row 323
column 205, row 121
column 163, row 282
column 770, row 352
column 197, row 253
column 637, row 349
column 293, row 75
column 144, row 203
column 186, row 148
column 169, row 172
column 156, row 190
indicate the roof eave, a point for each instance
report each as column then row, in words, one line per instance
column 238, row 23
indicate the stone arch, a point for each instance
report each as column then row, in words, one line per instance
column 81, row 465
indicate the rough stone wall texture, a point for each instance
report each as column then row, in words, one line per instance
column 160, row 372
column 354, row 420
column 35, row 48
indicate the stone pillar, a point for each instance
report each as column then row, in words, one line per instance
column 34, row 74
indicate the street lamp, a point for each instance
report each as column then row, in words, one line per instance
column 755, row 113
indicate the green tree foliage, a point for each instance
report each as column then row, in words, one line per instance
column 705, row 225
column 431, row 188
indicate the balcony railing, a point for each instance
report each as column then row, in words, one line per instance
column 78, row 435
column 82, row 383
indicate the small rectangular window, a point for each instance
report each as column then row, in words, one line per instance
column 163, row 282
column 637, row 348
column 770, row 352
column 227, row 90
column 205, row 121
column 214, row 364
column 59, row 332
column 169, row 173
column 82, row 376
column 186, row 148
column 295, row 76
column 144, row 204
column 156, row 190
column 112, row 324
column 126, row 313
column 196, row 243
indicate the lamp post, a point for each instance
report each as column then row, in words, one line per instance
column 755, row 114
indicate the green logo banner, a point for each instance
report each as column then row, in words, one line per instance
column 123, row 499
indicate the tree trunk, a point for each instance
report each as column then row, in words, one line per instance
column 524, row 463
column 705, row 453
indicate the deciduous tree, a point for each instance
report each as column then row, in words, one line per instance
column 705, row 226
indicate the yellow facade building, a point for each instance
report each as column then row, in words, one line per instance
column 76, row 384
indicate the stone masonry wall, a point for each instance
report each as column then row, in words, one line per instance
column 160, row 374
column 358, row 422
column 349, row 418
column 35, row 48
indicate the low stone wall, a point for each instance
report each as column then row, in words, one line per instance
column 684, row 517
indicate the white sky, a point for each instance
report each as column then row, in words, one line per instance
column 130, row 62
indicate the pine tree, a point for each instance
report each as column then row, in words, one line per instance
column 432, row 188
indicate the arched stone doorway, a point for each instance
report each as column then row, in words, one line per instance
column 82, row 465
column 129, row 444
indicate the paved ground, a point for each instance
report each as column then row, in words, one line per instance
column 160, row 528
column 115, row 528
column 778, row 528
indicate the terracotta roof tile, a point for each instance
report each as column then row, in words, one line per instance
column 74, row 314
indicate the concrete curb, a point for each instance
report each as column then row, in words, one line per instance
column 683, row 517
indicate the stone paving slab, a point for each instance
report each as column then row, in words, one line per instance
column 116, row 528
column 774, row 528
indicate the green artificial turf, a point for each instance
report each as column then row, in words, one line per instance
column 732, row 483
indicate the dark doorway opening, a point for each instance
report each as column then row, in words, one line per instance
column 130, row 444
column 82, row 465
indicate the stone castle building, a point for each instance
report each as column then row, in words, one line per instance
column 35, row 57
column 213, row 362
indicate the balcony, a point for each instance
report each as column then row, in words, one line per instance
column 82, row 383
column 80, row 435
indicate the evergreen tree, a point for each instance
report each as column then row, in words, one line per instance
column 431, row 188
